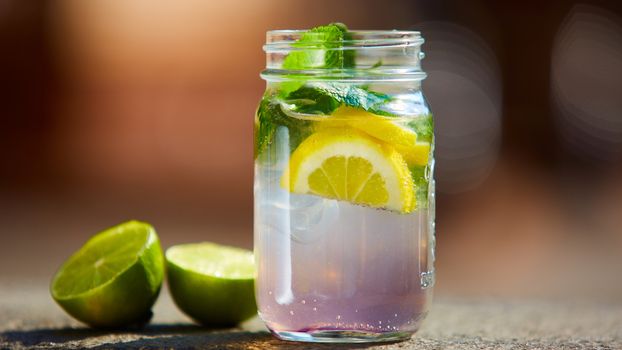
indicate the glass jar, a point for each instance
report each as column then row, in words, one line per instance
column 344, row 189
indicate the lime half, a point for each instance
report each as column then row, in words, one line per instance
column 212, row 284
column 114, row 279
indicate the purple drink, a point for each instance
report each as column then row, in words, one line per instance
column 328, row 266
column 344, row 191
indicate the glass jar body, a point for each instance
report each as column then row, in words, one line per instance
column 332, row 267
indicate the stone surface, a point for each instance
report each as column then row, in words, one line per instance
column 30, row 319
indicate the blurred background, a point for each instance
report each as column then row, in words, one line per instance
column 113, row 110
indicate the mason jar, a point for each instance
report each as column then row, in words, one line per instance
column 344, row 188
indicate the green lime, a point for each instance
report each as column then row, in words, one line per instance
column 212, row 284
column 114, row 279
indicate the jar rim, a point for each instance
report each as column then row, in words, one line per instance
column 401, row 47
column 282, row 39
column 352, row 31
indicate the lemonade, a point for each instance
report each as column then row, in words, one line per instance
column 344, row 192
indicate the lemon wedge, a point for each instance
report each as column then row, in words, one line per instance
column 347, row 164
column 382, row 128
column 417, row 154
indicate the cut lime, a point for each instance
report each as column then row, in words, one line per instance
column 114, row 279
column 212, row 284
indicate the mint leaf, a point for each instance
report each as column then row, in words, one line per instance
column 269, row 117
column 424, row 127
column 421, row 185
column 317, row 49
column 348, row 55
column 324, row 98
column 311, row 100
column 264, row 128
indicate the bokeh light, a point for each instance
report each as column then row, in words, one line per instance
column 462, row 69
column 586, row 83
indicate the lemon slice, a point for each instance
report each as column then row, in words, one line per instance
column 347, row 164
column 417, row 154
column 404, row 140
column 380, row 127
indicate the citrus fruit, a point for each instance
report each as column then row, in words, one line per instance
column 380, row 127
column 212, row 284
column 346, row 164
column 114, row 279
column 416, row 154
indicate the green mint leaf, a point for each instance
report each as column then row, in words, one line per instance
column 316, row 49
column 421, row 184
column 311, row 100
column 264, row 127
column 349, row 60
column 324, row 98
column 424, row 127
column 270, row 116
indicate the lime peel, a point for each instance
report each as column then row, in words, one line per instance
column 114, row 279
column 212, row 284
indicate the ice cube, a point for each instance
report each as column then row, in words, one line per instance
column 311, row 217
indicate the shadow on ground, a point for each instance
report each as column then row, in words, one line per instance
column 159, row 336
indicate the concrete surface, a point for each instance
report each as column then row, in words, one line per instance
column 30, row 319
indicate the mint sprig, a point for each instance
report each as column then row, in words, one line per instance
column 421, row 184
column 424, row 127
column 324, row 98
column 269, row 117
column 264, row 125
column 319, row 48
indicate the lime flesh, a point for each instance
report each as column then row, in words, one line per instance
column 212, row 284
column 114, row 279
